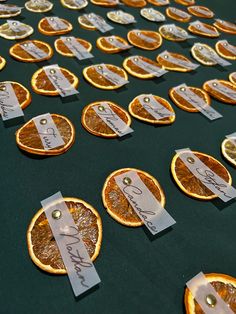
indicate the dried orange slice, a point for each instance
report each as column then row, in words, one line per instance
column 96, row 126
column 22, row 94
column 135, row 70
column 228, row 149
column 139, row 112
column 20, row 54
column 6, row 14
column 166, row 64
column 224, row 285
column 152, row 15
column 166, row 32
column 184, row 104
column 219, row 96
column 117, row 205
column 178, row 15
column 120, row 17
column 99, row 81
column 202, row 58
column 85, row 23
column 196, row 29
column 201, row 11
column 225, row 26
column 46, row 29
column 159, row 3
column 2, row 63
column 135, row 3
column 42, row 85
column 106, row 44
column 41, row 7
column 192, row 186
column 105, row 3
column 73, row 5
column 28, row 139
column 7, row 33
column 185, row 2
column 144, row 39
column 42, row 246
column 232, row 77
column 225, row 50
column 65, row 51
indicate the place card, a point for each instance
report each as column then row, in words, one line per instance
column 211, row 54
column 177, row 32
column 78, row 50
column 115, row 42
column 201, row 10
column 199, row 25
column 33, row 50
column 98, row 22
column 110, row 76
column 80, row 269
column 16, row 26
column 228, row 47
column 150, row 68
column 144, row 203
column 183, row 63
column 56, row 23
column 144, row 37
column 180, row 13
column 227, row 24
column 221, row 88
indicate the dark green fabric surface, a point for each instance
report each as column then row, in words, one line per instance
column 138, row 274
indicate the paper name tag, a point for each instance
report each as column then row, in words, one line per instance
column 48, row 131
column 56, row 23
column 150, row 68
column 114, row 42
column 207, row 176
column 80, row 269
column 201, row 10
column 9, row 105
column 127, row 19
column 144, row 37
column 78, row 50
column 6, row 8
column 59, row 81
column 177, row 32
column 16, row 26
column 224, row 90
column 98, row 22
column 228, row 47
column 33, row 50
column 179, row 12
column 144, row 203
column 108, row 116
column 155, row 15
column 199, row 25
column 205, row 295
column 211, row 54
column 186, row 64
column 154, row 107
column 185, row 92
column 110, row 76
column 228, row 24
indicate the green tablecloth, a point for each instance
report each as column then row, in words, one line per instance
column 138, row 274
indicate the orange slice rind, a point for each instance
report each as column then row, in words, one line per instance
column 232, row 77
column 9, row 13
column 2, row 63
column 185, row 2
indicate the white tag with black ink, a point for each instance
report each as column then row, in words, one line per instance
column 228, row 47
column 144, row 203
column 115, row 42
column 199, row 25
column 48, row 131
column 80, row 269
column 110, row 76
column 227, row 24
column 79, row 51
column 221, row 88
column 6, row 8
column 56, row 23
column 154, row 107
column 211, row 54
column 9, row 105
column 206, row 296
column 108, row 116
column 16, row 26
column 59, row 81
column 207, row 176
column 174, row 30
column 185, row 92
column 98, row 22
column 150, row 68
column 180, row 13
column 144, row 37
column 201, row 10
column 33, row 50
column 186, row 64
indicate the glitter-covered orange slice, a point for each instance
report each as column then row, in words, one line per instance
column 65, row 51
column 46, row 29
column 219, row 96
column 136, row 39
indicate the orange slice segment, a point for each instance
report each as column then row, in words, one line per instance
column 202, row 58
column 223, row 51
column 192, row 186
column 184, row 104
column 136, row 38
column 135, row 3
column 22, row 94
column 224, row 285
column 226, row 27
column 178, row 15
column 219, row 96
column 99, row 81
column 20, row 54
column 96, row 126
column 159, row 3
column 105, row 3
column 71, row 4
column 7, row 33
column 139, row 112
column 65, row 51
column 2, row 63
column 106, row 44
column 166, row 64
column 6, row 14
column 46, row 6
column 42, row 246
column 185, row 2
column 28, row 139
column 117, row 205
column 42, row 85
column 198, row 31
column 201, row 11
column 167, row 33
column 232, row 77
column 46, row 29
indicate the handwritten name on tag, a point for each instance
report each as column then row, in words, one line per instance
column 177, row 32
column 110, row 76
column 227, row 24
column 150, row 68
column 16, row 26
column 144, row 203
column 207, row 176
column 9, row 105
column 154, row 107
column 205, row 295
column 108, row 116
column 115, row 42
column 185, row 92
column 180, row 13
column 224, row 90
column 6, row 8
column 199, row 25
column 59, row 81
column 48, row 131
column 186, row 64
column 98, row 22
column 33, row 50
column 56, row 23
column 228, row 47
column 144, row 37
column 80, row 269
column 211, row 54
column 79, row 51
